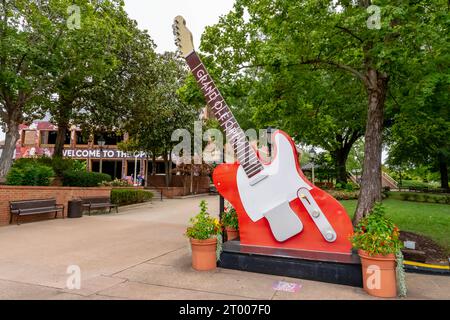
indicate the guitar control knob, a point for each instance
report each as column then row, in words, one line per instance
column 330, row 236
column 316, row 214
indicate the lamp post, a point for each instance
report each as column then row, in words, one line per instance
column 313, row 158
column 89, row 164
column 135, row 169
column 269, row 141
column 101, row 142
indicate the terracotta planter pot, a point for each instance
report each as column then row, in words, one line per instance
column 379, row 275
column 204, row 254
column 232, row 233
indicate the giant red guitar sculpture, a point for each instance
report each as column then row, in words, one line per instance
column 276, row 205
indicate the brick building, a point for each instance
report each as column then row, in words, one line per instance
column 38, row 139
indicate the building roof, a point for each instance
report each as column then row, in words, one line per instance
column 309, row 166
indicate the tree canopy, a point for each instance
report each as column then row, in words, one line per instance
column 273, row 45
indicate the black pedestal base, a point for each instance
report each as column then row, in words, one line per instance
column 317, row 266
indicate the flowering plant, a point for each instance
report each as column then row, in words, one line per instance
column 376, row 234
column 203, row 226
column 230, row 218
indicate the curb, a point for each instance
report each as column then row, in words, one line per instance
column 424, row 268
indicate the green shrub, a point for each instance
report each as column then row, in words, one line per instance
column 376, row 234
column 79, row 165
column 29, row 174
column 350, row 186
column 123, row 197
column 116, row 183
column 14, row 177
column 61, row 165
column 72, row 178
column 58, row 164
column 344, row 195
column 203, row 226
column 38, row 176
column 420, row 197
column 414, row 184
column 339, row 186
column 230, row 218
column 24, row 162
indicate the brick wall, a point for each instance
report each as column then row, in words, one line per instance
column 173, row 192
column 180, row 185
column 62, row 195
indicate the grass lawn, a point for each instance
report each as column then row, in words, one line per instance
column 428, row 219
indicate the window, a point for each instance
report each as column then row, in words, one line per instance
column 49, row 137
column 68, row 137
column 29, row 137
column 82, row 138
column 111, row 138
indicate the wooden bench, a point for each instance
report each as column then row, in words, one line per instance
column 98, row 203
column 32, row 207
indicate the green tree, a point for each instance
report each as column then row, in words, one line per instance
column 356, row 157
column 319, row 109
column 161, row 112
column 420, row 134
column 337, row 36
column 30, row 38
column 91, row 55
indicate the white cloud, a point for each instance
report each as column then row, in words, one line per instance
column 157, row 17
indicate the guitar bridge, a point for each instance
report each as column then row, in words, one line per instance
column 317, row 215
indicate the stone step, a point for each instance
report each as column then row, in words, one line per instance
column 156, row 193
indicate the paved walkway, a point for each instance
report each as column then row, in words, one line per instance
column 141, row 253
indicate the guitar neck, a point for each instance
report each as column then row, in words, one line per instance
column 235, row 135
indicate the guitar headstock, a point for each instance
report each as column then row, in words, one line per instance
column 183, row 37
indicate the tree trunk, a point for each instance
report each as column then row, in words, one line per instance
column 146, row 173
column 170, row 168
column 191, row 179
column 62, row 118
column 340, row 159
column 153, row 164
column 166, row 169
column 60, row 139
column 371, row 177
column 11, row 137
column 443, row 169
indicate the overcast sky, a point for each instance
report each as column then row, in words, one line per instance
column 157, row 16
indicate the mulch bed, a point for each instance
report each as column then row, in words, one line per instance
column 434, row 253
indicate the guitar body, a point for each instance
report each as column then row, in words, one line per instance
column 284, row 180
column 277, row 206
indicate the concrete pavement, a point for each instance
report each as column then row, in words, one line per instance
column 141, row 253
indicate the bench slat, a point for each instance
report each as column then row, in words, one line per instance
column 31, row 207
column 97, row 203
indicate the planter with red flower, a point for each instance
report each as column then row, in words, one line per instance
column 231, row 223
column 205, row 237
column 377, row 239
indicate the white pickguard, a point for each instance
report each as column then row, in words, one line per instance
column 281, row 184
